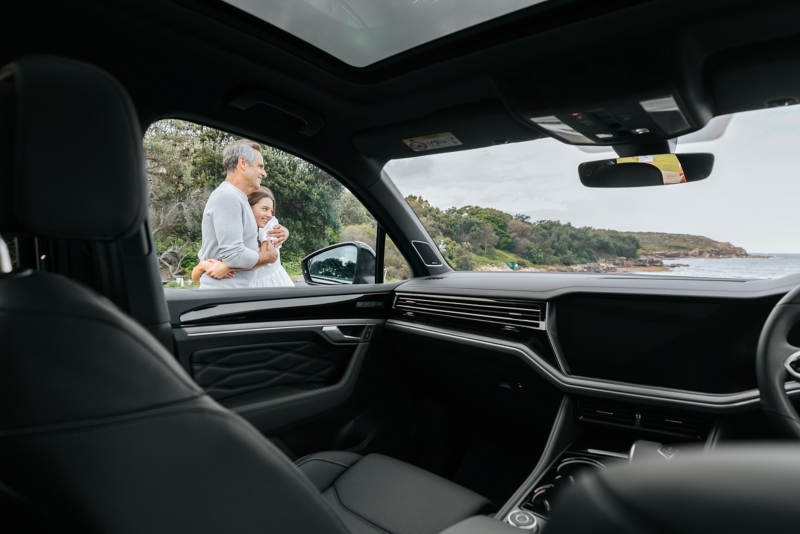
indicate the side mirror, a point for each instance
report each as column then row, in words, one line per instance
column 352, row 262
column 643, row 171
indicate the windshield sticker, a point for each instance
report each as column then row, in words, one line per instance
column 432, row 142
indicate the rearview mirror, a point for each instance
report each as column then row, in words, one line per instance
column 352, row 262
column 643, row 171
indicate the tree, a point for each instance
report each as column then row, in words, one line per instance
column 484, row 235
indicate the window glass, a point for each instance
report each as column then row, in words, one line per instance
column 522, row 206
column 363, row 32
column 184, row 162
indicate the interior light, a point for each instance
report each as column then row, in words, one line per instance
column 553, row 124
column 641, row 131
column 666, row 113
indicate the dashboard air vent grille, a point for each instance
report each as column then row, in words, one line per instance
column 608, row 413
column 511, row 313
column 646, row 418
column 671, row 422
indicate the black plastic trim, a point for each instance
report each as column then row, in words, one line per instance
column 713, row 403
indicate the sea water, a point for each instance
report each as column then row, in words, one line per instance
column 771, row 266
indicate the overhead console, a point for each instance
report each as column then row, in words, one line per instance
column 653, row 119
column 654, row 115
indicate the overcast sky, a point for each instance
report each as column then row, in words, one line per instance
column 752, row 198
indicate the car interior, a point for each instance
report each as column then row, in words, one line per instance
column 458, row 402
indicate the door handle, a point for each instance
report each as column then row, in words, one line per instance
column 336, row 335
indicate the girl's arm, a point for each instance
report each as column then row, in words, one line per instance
column 219, row 270
column 199, row 269
column 213, row 268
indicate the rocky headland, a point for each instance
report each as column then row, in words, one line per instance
column 650, row 262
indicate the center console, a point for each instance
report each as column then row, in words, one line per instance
column 592, row 435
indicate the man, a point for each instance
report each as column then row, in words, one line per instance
column 230, row 232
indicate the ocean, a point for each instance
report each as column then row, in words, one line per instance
column 773, row 266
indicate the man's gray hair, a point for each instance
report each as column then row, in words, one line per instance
column 241, row 148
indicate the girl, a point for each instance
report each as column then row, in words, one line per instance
column 262, row 202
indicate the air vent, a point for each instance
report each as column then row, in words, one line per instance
column 433, row 278
column 511, row 314
column 652, row 419
column 607, row 413
column 667, row 422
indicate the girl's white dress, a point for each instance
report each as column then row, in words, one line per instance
column 272, row 275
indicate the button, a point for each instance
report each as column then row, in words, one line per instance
column 523, row 520
column 367, row 333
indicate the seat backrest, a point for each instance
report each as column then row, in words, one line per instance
column 73, row 183
column 102, row 428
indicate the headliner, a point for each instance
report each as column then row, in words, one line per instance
column 190, row 59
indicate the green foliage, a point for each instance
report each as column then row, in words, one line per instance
column 502, row 237
column 306, row 202
column 184, row 162
column 661, row 242
column 334, row 268
column 293, row 268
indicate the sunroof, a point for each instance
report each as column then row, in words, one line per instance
column 363, row 32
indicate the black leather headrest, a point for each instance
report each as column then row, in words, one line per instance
column 8, row 132
column 78, row 169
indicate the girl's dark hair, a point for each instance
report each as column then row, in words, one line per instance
column 260, row 194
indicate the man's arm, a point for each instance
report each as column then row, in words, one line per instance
column 227, row 219
column 281, row 232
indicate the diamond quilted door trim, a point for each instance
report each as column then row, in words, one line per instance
column 230, row 371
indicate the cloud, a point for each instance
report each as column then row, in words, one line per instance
column 750, row 199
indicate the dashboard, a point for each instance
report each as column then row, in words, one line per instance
column 678, row 342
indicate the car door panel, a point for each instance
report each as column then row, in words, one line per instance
column 278, row 372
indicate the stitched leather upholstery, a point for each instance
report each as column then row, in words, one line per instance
column 377, row 494
column 100, row 427
column 55, row 94
column 106, row 429
column 230, row 371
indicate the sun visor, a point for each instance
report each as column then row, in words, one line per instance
column 757, row 77
column 478, row 125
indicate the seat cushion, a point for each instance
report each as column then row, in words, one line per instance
column 377, row 494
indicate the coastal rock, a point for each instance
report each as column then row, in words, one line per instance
column 722, row 250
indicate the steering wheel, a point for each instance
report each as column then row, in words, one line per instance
column 775, row 358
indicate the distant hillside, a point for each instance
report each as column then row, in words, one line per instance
column 650, row 242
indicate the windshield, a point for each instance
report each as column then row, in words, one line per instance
column 522, row 207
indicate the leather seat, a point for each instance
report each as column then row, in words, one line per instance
column 376, row 494
column 101, row 429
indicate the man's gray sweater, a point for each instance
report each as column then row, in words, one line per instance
column 230, row 234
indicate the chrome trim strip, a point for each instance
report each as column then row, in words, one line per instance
column 610, row 454
column 234, row 308
column 556, row 347
column 716, row 403
column 214, row 330
column 579, row 460
column 787, row 364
